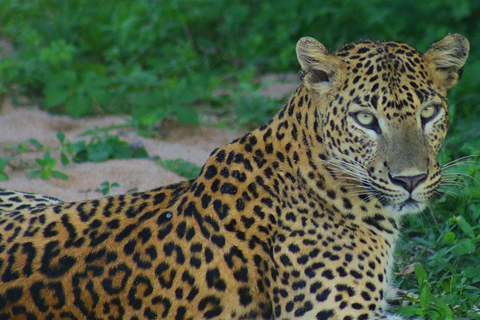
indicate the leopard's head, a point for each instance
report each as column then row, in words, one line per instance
column 384, row 114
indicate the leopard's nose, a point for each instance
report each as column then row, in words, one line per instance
column 409, row 183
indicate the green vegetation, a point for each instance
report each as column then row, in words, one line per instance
column 157, row 60
column 46, row 170
column 44, row 167
column 181, row 167
column 106, row 187
column 180, row 59
column 3, row 164
column 101, row 146
column 443, row 243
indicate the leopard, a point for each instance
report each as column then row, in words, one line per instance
column 297, row 219
column 11, row 201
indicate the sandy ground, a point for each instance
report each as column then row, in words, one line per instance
column 18, row 124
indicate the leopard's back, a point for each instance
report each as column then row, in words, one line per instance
column 15, row 200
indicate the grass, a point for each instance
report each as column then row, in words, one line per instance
column 442, row 244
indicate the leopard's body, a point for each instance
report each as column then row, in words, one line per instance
column 14, row 200
column 297, row 219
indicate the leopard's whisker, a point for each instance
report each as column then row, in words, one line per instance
column 460, row 161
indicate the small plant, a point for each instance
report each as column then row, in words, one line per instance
column 46, row 164
column 103, row 146
column 447, row 274
column 467, row 243
column 37, row 145
column 3, row 165
column 426, row 305
column 106, row 187
column 46, row 170
column 66, row 148
column 181, row 167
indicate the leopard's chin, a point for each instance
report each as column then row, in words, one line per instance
column 409, row 206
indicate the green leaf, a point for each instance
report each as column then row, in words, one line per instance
column 33, row 174
column 49, row 161
column 425, row 297
column 79, row 146
column 45, row 173
column 449, row 237
column 122, row 152
column 443, row 309
column 4, row 161
column 59, row 175
column 78, row 105
column 106, row 186
column 41, row 162
column 139, row 152
column 64, row 158
column 474, row 210
column 465, row 226
column 433, row 314
column 57, row 52
column 55, row 96
column 421, row 274
column 409, row 311
column 473, row 272
column 181, row 167
column 464, row 246
column 98, row 152
column 80, row 156
column 36, row 143
column 61, row 136
column 67, row 78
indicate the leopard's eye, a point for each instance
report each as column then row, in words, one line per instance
column 367, row 120
column 429, row 112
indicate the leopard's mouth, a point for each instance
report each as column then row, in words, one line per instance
column 406, row 207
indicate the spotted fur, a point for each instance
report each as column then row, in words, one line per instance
column 295, row 220
column 14, row 200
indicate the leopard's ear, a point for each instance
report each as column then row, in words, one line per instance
column 446, row 59
column 319, row 67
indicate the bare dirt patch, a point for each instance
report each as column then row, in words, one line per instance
column 17, row 124
column 191, row 143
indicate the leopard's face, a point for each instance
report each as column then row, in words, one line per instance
column 384, row 120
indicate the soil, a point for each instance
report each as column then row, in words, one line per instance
column 191, row 143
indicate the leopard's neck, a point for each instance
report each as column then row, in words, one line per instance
column 287, row 161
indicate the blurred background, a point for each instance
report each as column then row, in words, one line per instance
column 209, row 62
column 183, row 58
